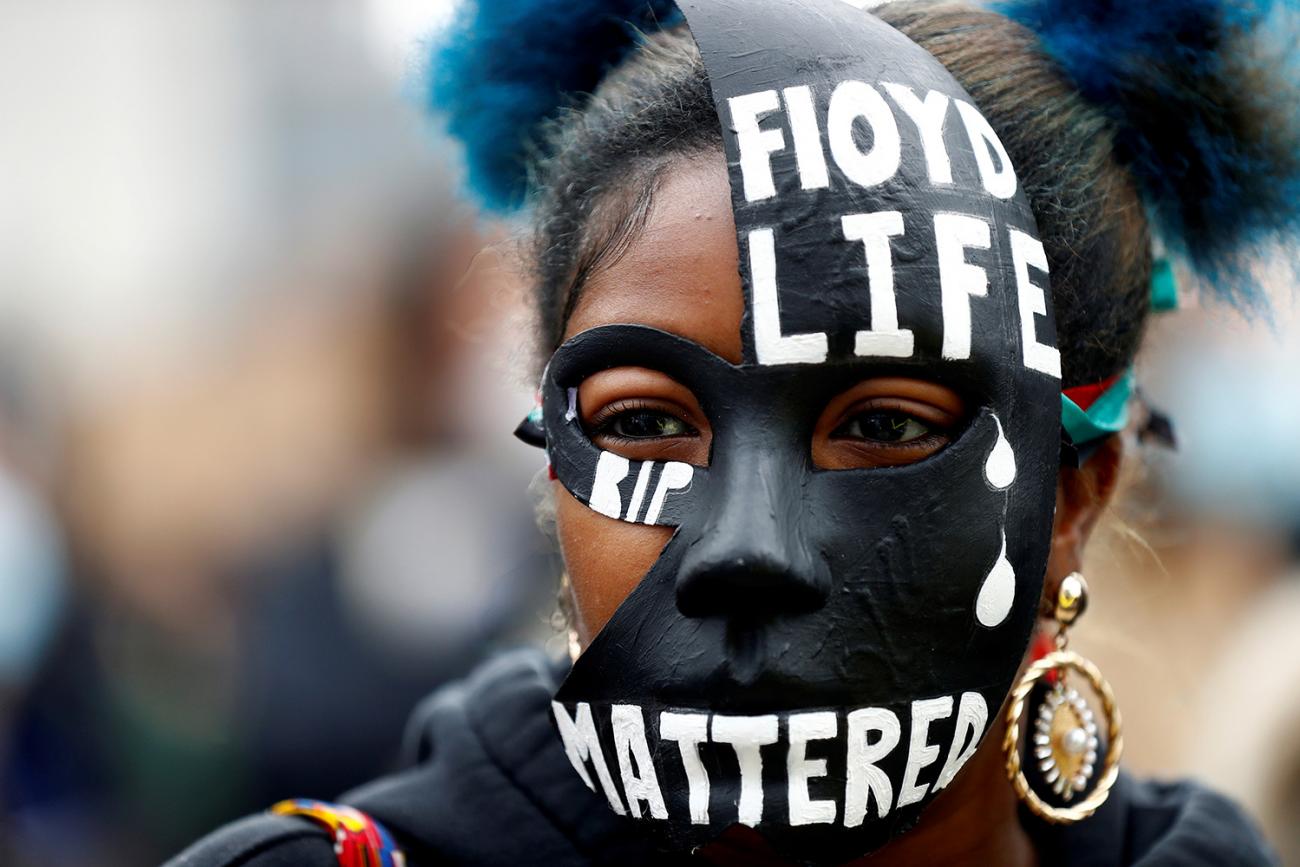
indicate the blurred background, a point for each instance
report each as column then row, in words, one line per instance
column 258, row 492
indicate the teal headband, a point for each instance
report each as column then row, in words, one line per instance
column 1089, row 413
column 1103, row 416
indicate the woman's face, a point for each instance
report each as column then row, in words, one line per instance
column 679, row 274
column 805, row 430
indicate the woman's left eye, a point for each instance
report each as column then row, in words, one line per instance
column 883, row 426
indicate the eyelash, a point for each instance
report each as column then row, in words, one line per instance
column 938, row 432
column 602, row 422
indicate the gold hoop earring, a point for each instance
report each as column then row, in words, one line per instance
column 1066, row 739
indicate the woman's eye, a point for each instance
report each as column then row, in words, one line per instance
column 883, row 426
column 886, row 422
column 646, row 424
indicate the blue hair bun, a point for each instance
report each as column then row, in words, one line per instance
column 502, row 67
column 1205, row 116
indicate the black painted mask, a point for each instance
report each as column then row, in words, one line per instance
column 817, row 652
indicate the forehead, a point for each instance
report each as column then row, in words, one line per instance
column 862, row 213
column 680, row 272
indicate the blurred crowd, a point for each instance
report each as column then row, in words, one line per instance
column 258, row 492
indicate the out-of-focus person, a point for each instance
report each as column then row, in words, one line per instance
column 236, row 263
column 1204, row 563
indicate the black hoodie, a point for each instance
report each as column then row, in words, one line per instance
column 489, row 784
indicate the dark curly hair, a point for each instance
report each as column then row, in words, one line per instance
column 603, row 162
column 1121, row 119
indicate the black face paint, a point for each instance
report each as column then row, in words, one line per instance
column 817, row 652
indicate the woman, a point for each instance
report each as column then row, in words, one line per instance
column 841, row 312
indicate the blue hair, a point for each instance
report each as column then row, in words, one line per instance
column 1206, row 119
column 1203, row 113
column 503, row 67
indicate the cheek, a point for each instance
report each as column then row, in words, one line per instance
column 1063, row 558
column 605, row 559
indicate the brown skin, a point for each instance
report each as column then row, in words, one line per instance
column 680, row 274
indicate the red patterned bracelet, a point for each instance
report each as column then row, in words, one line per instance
column 359, row 841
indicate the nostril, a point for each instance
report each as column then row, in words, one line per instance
column 750, row 586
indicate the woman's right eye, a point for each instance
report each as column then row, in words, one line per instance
column 647, row 425
column 643, row 415
column 643, row 424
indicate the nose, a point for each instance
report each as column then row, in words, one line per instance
column 753, row 559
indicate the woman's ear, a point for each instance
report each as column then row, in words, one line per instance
column 1082, row 494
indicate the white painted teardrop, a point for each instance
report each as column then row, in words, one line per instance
column 1000, row 468
column 998, row 591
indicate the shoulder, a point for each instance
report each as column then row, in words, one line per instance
column 264, row 840
column 1148, row 823
column 1186, row 823
column 486, row 782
